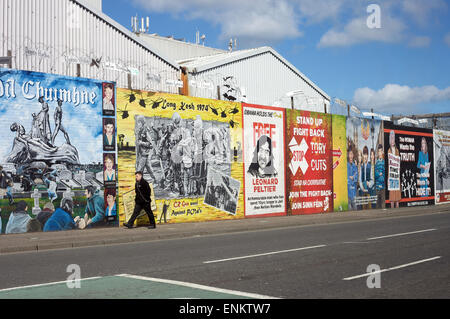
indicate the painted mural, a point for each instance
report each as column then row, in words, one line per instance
column 442, row 165
column 310, row 156
column 51, row 153
column 340, row 182
column 409, row 166
column 264, row 167
column 365, row 168
column 190, row 151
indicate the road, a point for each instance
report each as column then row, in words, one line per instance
column 315, row 261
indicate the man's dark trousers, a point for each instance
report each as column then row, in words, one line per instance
column 137, row 209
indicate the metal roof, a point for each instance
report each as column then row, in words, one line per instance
column 126, row 32
column 202, row 64
column 178, row 49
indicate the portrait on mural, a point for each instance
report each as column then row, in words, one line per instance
column 109, row 169
column 109, row 134
column 52, row 149
column 108, row 94
column 442, row 165
column 409, row 166
column 365, row 163
column 110, row 204
column 222, row 191
column 264, row 165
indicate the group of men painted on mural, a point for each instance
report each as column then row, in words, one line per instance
column 366, row 174
column 223, row 195
column 182, row 150
column 34, row 157
column 62, row 218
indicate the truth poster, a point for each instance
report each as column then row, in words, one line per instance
column 409, row 166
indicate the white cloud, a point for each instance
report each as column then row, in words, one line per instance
column 263, row 22
column 394, row 98
column 419, row 42
column 316, row 11
column 256, row 21
column 357, row 31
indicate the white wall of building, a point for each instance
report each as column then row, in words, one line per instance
column 260, row 79
column 53, row 36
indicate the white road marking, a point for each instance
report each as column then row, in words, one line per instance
column 392, row 268
column 197, row 286
column 264, row 254
column 402, row 234
column 47, row 284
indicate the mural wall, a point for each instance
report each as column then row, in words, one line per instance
column 366, row 168
column 442, row 165
column 190, row 151
column 51, row 152
column 340, row 178
column 409, row 166
column 264, row 170
column 310, row 161
column 67, row 148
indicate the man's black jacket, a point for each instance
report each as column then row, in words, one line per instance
column 142, row 192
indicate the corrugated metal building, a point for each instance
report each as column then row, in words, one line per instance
column 259, row 76
column 178, row 49
column 74, row 38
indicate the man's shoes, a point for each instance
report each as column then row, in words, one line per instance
column 152, row 227
column 127, row 225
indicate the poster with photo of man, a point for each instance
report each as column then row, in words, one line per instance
column 264, row 167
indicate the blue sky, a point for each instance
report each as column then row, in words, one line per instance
column 402, row 67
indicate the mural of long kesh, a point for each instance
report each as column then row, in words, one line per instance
column 51, row 147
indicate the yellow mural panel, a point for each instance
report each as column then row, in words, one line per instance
column 190, row 149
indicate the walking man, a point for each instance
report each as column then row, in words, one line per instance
column 142, row 202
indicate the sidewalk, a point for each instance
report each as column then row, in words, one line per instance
column 29, row 242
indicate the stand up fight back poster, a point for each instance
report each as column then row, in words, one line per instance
column 309, row 160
